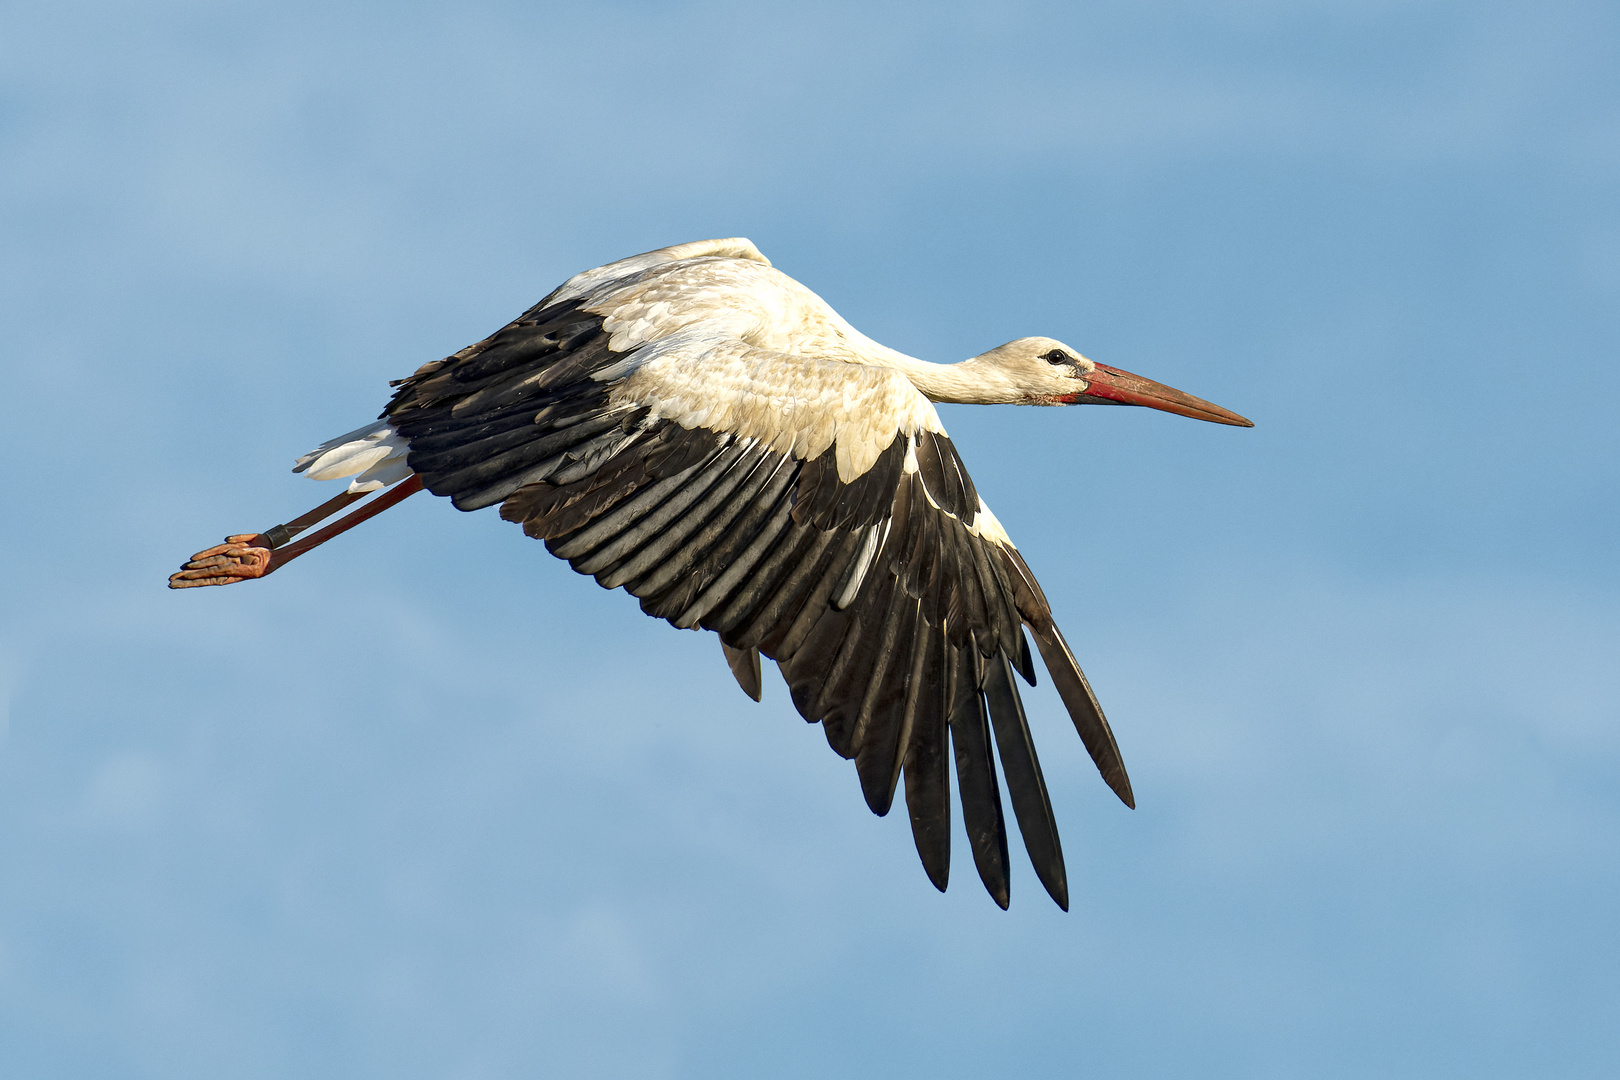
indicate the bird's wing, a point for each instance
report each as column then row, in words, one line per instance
column 811, row 510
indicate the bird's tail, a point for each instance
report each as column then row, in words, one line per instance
column 374, row 455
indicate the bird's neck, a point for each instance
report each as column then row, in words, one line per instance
column 971, row 382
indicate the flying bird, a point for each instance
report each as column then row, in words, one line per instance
column 699, row 428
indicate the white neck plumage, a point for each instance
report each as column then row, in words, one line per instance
column 970, row 382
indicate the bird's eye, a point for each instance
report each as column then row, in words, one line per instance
column 1057, row 356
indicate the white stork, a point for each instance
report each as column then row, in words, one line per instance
column 699, row 428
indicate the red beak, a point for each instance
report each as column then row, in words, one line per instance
column 1111, row 386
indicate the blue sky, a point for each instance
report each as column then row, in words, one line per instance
column 430, row 805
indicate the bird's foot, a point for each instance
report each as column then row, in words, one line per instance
column 239, row 558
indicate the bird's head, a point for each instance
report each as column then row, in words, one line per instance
column 1051, row 373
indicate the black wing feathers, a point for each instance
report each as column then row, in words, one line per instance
column 895, row 624
column 976, row 773
column 1031, row 805
column 927, row 762
column 1067, row 678
column 744, row 665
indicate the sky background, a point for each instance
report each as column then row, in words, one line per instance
column 431, row 805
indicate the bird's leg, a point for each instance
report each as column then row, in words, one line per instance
column 396, row 494
column 255, row 555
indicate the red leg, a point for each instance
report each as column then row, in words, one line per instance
column 320, row 513
column 396, row 494
column 256, row 555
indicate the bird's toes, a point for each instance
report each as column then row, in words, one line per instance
column 224, row 564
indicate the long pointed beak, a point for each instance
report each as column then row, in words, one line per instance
column 1111, row 386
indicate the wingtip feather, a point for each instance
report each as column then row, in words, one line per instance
column 1087, row 715
column 744, row 665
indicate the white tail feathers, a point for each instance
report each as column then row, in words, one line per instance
column 374, row 455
